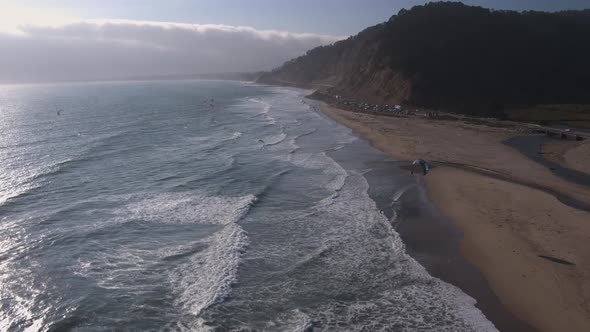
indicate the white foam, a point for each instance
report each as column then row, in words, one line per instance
column 199, row 139
column 327, row 165
column 274, row 139
column 313, row 131
column 262, row 102
column 356, row 239
column 202, row 277
column 293, row 321
column 114, row 268
column 355, row 252
column 22, row 307
column 193, row 207
column 207, row 278
column 207, row 144
column 265, row 110
column 235, row 135
column 415, row 300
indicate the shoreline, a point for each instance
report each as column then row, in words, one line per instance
column 433, row 242
column 507, row 221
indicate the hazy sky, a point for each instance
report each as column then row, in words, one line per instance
column 42, row 40
column 337, row 17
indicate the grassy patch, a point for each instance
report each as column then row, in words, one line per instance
column 571, row 115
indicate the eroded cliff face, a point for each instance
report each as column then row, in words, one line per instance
column 449, row 55
column 350, row 68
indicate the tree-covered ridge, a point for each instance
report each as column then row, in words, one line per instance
column 449, row 55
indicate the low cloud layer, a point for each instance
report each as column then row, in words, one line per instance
column 104, row 49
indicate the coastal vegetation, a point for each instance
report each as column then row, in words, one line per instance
column 568, row 115
column 448, row 55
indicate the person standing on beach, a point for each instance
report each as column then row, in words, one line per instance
column 423, row 164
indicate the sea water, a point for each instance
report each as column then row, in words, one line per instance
column 200, row 205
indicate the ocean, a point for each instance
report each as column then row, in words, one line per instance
column 203, row 206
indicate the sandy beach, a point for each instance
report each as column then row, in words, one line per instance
column 511, row 210
column 572, row 155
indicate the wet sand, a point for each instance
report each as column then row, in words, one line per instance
column 508, row 209
column 573, row 155
column 579, row 157
column 535, row 148
column 434, row 242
